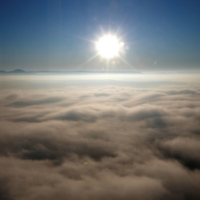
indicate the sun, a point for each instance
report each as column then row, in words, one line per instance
column 109, row 46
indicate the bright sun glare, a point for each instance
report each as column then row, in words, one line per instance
column 109, row 46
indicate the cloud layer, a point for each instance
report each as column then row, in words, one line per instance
column 100, row 142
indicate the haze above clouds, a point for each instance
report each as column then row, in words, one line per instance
column 105, row 137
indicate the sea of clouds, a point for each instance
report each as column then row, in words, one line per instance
column 99, row 138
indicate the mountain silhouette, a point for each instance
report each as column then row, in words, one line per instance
column 18, row 71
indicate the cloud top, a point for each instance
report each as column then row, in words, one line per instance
column 100, row 142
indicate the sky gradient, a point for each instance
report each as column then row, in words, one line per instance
column 46, row 34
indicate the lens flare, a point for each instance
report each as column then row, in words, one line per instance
column 110, row 47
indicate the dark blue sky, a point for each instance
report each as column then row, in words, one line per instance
column 44, row 34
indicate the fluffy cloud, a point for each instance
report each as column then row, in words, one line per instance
column 100, row 142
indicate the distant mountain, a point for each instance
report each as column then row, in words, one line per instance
column 17, row 71
column 20, row 71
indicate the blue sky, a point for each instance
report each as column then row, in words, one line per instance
column 45, row 34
